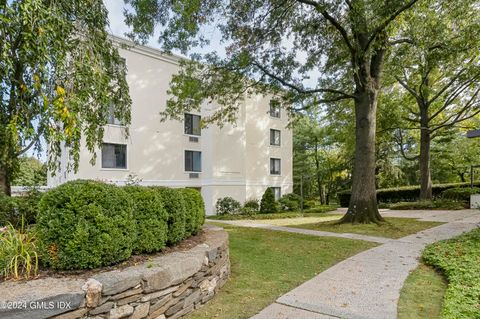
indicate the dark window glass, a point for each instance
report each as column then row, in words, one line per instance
column 275, row 166
column 193, row 161
column 274, row 108
column 275, row 137
column 114, row 155
column 192, row 124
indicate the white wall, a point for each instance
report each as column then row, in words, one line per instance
column 235, row 158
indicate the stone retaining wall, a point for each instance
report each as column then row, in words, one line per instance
column 168, row 286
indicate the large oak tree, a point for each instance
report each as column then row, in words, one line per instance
column 436, row 62
column 278, row 45
column 60, row 75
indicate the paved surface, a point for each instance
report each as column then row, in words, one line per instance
column 367, row 285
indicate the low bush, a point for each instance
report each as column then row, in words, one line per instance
column 309, row 204
column 151, row 219
column 252, row 204
column 18, row 253
column 403, row 194
column 290, row 202
column 458, row 259
column 268, row 205
column 15, row 209
column 460, row 194
column 227, row 206
column 175, row 206
column 85, row 224
column 436, row 204
column 194, row 209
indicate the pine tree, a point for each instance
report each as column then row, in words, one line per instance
column 268, row 204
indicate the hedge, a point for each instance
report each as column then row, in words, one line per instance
column 151, row 219
column 194, row 209
column 85, row 224
column 268, row 205
column 402, row 194
column 174, row 203
column 460, row 194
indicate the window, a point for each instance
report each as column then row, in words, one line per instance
column 114, row 155
column 193, row 161
column 275, row 166
column 274, row 108
column 278, row 192
column 192, row 124
column 111, row 119
column 275, row 137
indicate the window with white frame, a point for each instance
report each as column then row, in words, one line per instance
column 193, row 161
column 192, row 124
column 275, row 166
column 275, row 137
column 275, row 108
column 114, row 156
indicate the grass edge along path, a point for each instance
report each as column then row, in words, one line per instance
column 422, row 294
column 266, row 264
column 459, row 260
column 393, row 227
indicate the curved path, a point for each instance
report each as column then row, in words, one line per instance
column 367, row 285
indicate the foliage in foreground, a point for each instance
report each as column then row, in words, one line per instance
column 88, row 224
column 18, row 253
column 459, row 260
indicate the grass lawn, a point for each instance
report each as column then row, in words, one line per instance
column 313, row 212
column 422, row 294
column 267, row 264
column 391, row 228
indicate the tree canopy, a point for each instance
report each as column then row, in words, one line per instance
column 276, row 47
column 59, row 76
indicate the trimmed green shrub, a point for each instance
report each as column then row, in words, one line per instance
column 268, row 204
column 175, row 206
column 85, row 224
column 460, row 194
column 151, row 219
column 458, row 259
column 309, row 204
column 290, row 202
column 402, row 194
column 436, row 204
column 252, row 205
column 194, row 209
column 13, row 209
column 227, row 205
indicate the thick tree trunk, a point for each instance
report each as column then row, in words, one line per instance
column 5, row 186
column 322, row 194
column 425, row 172
column 363, row 202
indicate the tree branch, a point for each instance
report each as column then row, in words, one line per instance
column 385, row 23
column 342, row 95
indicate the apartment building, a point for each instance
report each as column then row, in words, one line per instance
column 239, row 160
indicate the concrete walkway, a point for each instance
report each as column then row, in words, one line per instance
column 367, row 285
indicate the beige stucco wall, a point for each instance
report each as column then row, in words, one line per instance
column 235, row 158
